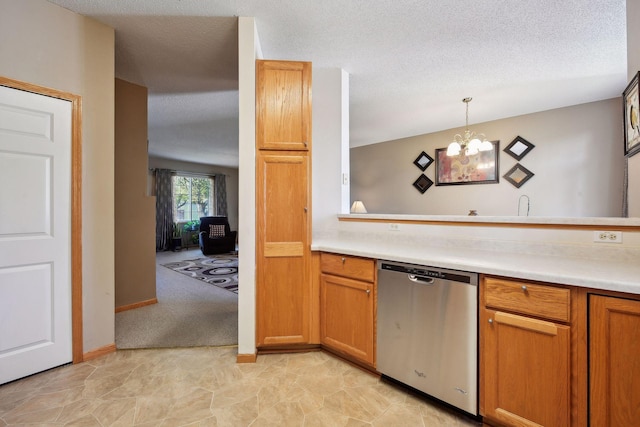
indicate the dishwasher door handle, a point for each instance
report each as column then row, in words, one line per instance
column 421, row 279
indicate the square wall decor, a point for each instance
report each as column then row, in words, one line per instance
column 519, row 148
column 423, row 161
column 422, row 183
column 631, row 117
column 518, row 175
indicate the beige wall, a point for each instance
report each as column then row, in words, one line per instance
column 576, row 162
column 330, row 147
column 248, row 51
column 49, row 46
column 633, row 65
column 231, row 176
column 135, row 218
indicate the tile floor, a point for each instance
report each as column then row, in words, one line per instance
column 203, row 386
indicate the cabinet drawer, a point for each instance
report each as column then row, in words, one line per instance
column 527, row 298
column 348, row 266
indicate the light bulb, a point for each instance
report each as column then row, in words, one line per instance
column 453, row 149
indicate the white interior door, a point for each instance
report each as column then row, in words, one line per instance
column 35, row 233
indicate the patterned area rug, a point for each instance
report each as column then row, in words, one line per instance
column 219, row 270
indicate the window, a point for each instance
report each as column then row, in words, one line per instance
column 192, row 198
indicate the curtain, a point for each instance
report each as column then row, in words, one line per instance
column 221, row 195
column 164, row 208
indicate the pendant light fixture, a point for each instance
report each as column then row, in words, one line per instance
column 469, row 143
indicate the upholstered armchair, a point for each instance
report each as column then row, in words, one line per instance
column 216, row 236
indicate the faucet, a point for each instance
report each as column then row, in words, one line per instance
column 520, row 200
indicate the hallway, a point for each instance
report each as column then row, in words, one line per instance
column 189, row 312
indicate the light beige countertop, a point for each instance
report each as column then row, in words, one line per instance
column 514, row 220
column 608, row 268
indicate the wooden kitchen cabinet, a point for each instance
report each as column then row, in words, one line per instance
column 348, row 306
column 614, row 357
column 283, row 204
column 283, row 105
column 525, row 354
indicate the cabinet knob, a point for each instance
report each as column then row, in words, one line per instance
column 343, row 260
column 490, row 320
column 524, row 288
column 368, row 291
column 306, row 209
column 305, row 143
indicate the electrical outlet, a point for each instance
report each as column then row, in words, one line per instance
column 394, row 227
column 607, row 236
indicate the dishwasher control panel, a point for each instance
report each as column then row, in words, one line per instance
column 426, row 272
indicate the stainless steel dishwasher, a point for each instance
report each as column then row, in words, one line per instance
column 427, row 331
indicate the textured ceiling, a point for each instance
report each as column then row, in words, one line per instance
column 410, row 61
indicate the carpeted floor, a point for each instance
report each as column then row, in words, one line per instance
column 189, row 312
column 219, row 270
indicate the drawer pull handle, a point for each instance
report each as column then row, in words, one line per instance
column 490, row 320
column 343, row 260
column 524, row 288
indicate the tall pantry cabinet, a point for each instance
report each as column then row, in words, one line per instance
column 283, row 203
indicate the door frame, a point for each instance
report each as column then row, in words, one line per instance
column 76, row 203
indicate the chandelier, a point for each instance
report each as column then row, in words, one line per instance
column 468, row 143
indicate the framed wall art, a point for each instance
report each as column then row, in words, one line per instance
column 519, row 148
column 481, row 168
column 422, row 184
column 631, row 118
column 423, row 161
column 518, row 175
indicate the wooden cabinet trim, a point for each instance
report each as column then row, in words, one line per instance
column 514, row 419
column 535, row 325
column 529, row 298
column 348, row 266
column 283, row 249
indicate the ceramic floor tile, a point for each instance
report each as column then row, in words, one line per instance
column 283, row 414
column 115, row 412
column 343, row 403
column 154, row 409
column 369, row 398
column 204, row 387
column 238, row 414
column 85, row 421
column 323, row 417
column 400, row 416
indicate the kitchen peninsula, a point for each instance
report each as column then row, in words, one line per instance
column 556, row 250
column 555, row 308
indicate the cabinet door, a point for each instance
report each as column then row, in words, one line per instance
column 346, row 316
column 526, row 365
column 283, row 253
column 614, row 355
column 283, row 105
